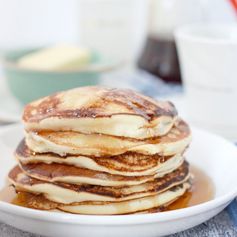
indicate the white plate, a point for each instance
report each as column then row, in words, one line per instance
column 214, row 155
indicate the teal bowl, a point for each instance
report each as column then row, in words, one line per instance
column 28, row 85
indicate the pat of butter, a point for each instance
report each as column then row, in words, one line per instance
column 56, row 58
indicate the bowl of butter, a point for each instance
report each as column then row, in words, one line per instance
column 37, row 72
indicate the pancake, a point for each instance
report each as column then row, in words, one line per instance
column 34, row 201
column 75, row 175
column 141, row 205
column 38, row 201
column 116, row 112
column 69, row 193
column 128, row 164
column 64, row 143
column 130, row 206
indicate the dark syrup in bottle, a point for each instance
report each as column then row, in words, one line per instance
column 159, row 57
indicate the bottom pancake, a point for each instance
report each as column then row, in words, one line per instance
column 131, row 206
column 72, row 193
column 140, row 205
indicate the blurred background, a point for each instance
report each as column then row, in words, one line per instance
column 115, row 27
column 130, row 43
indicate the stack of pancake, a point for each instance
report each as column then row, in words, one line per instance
column 96, row 150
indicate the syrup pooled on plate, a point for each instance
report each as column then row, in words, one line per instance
column 202, row 191
column 8, row 194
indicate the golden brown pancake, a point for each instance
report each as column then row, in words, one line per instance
column 71, row 193
column 128, row 164
column 76, row 175
column 117, row 112
column 64, row 143
column 140, row 205
column 130, row 206
column 38, row 201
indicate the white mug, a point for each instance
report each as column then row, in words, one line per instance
column 208, row 58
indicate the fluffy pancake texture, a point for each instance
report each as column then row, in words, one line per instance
column 69, row 193
column 118, row 112
column 63, row 143
column 101, row 151
column 128, row 164
column 144, row 205
column 70, row 174
column 130, row 206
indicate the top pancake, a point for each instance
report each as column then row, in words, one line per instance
column 118, row 112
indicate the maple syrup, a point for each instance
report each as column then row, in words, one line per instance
column 202, row 190
column 8, row 194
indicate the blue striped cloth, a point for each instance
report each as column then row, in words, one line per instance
column 232, row 212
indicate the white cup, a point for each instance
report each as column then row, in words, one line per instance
column 208, row 58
